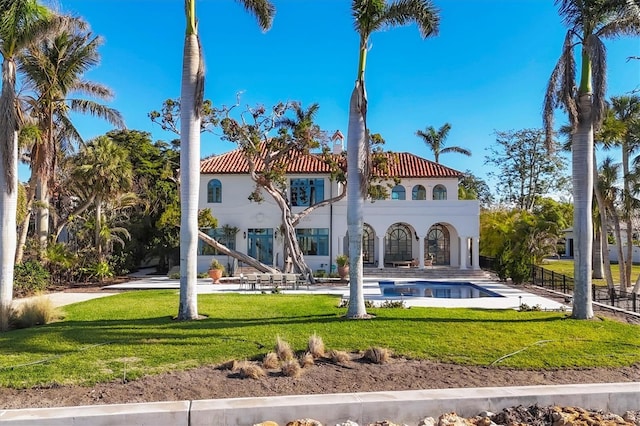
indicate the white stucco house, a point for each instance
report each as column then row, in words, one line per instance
column 423, row 221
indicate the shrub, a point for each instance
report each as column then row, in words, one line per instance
column 393, row 304
column 315, row 346
column 342, row 260
column 344, row 303
column 100, row 271
column 377, row 355
column 229, row 365
column 246, row 369
column 291, row 368
column 271, row 361
column 339, row 357
column 283, row 350
column 307, row 360
column 30, row 278
column 35, row 311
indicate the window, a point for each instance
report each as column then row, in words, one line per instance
column 439, row 192
column 214, row 191
column 418, row 193
column 228, row 239
column 398, row 193
column 306, row 192
column 314, row 241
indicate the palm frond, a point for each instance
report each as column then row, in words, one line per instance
column 87, row 106
column 598, row 55
column 263, row 10
column 421, row 12
column 96, row 90
column 457, row 150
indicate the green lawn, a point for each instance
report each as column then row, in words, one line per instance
column 565, row 267
column 132, row 334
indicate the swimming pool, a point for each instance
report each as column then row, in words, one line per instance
column 437, row 289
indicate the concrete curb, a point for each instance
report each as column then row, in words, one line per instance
column 405, row 406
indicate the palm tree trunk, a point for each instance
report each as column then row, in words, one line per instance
column 597, row 254
column 356, row 144
column 8, row 188
column 582, row 172
column 604, row 226
column 98, row 225
column 42, row 222
column 189, row 169
column 23, row 229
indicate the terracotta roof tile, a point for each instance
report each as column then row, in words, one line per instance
column 402, row 165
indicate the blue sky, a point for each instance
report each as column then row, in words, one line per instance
column 487, row 69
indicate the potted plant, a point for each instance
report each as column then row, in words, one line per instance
column 215, row 271
column 343, row 266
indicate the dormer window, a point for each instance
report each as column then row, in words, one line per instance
column 398, row 193
column 439, row 192
column 214, row 191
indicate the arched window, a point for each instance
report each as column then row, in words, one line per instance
column 398, row 243
column 418, row 193
column 437, row 245
column 398, row 193
column 439, row 192
column 214, row 191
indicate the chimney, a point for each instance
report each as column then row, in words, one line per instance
column 338, row 142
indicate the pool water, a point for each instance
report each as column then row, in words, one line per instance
column 438, row 289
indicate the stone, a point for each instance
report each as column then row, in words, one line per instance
column 304, row 422
column 452, row 419
column 266, row 423
column 427, row 421
column 348, row 423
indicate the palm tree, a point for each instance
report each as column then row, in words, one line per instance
column 191, row 99
column 53, row 69
column 105, row 169
column 588, row 22
column 622, row 114
column 21, row 21
column 434, row 139
column 370, row 16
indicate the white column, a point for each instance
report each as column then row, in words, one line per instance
column 421, row 253
column 464, row 252
column 476, row 252
column 381, row 252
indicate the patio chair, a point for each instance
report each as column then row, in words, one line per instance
column 264, row 280
column 276, row 280
column 290, row 280
column 250, row 281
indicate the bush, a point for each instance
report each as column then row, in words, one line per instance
column 270, row 361
column 283, row 350
column 291, row 368
column 36, row 311
column 100, row 271
column 315, row 346
column 377, row 355
column 339, row 357
column 30, row 278
column 246, row 369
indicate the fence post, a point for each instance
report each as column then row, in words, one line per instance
column 633, row 302
column 612, row 294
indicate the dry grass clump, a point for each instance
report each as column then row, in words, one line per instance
column 315, row 346
column 283, row 350
column 291, row 368
column 229, row 365
column 246, row 369
column 34, row 311
column 377, row 355
column 307, row 360
column 339, row 357
column 270, row 361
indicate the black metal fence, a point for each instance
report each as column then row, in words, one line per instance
column 564, row 284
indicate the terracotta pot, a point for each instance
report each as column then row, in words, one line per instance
column 215, row 275
column 343, row 272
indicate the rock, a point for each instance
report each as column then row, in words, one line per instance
column 384, row 423
column 348, row 423
column 427, row 421
column 632, row 417
column 452, row 419
column 304, row 422
column 267, row 423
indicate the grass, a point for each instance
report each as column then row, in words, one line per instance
column 132, row 334
column 565, row 267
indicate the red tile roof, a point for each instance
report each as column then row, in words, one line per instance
column 402, row 165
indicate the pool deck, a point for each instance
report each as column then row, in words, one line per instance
column 512, row 297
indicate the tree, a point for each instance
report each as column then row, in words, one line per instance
column 622, row 118
column 21, row 21
column 472, row 187
column 434, row 139
column 105, row 170
column 524, row 168
column 588, row 22
column 371, row 16
column 53, row 69
column 191, row 100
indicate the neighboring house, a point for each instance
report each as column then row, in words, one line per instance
column 613, row 247
column 423, row 222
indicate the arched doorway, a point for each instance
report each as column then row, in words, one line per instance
column 437, row 245
column 398, row 243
